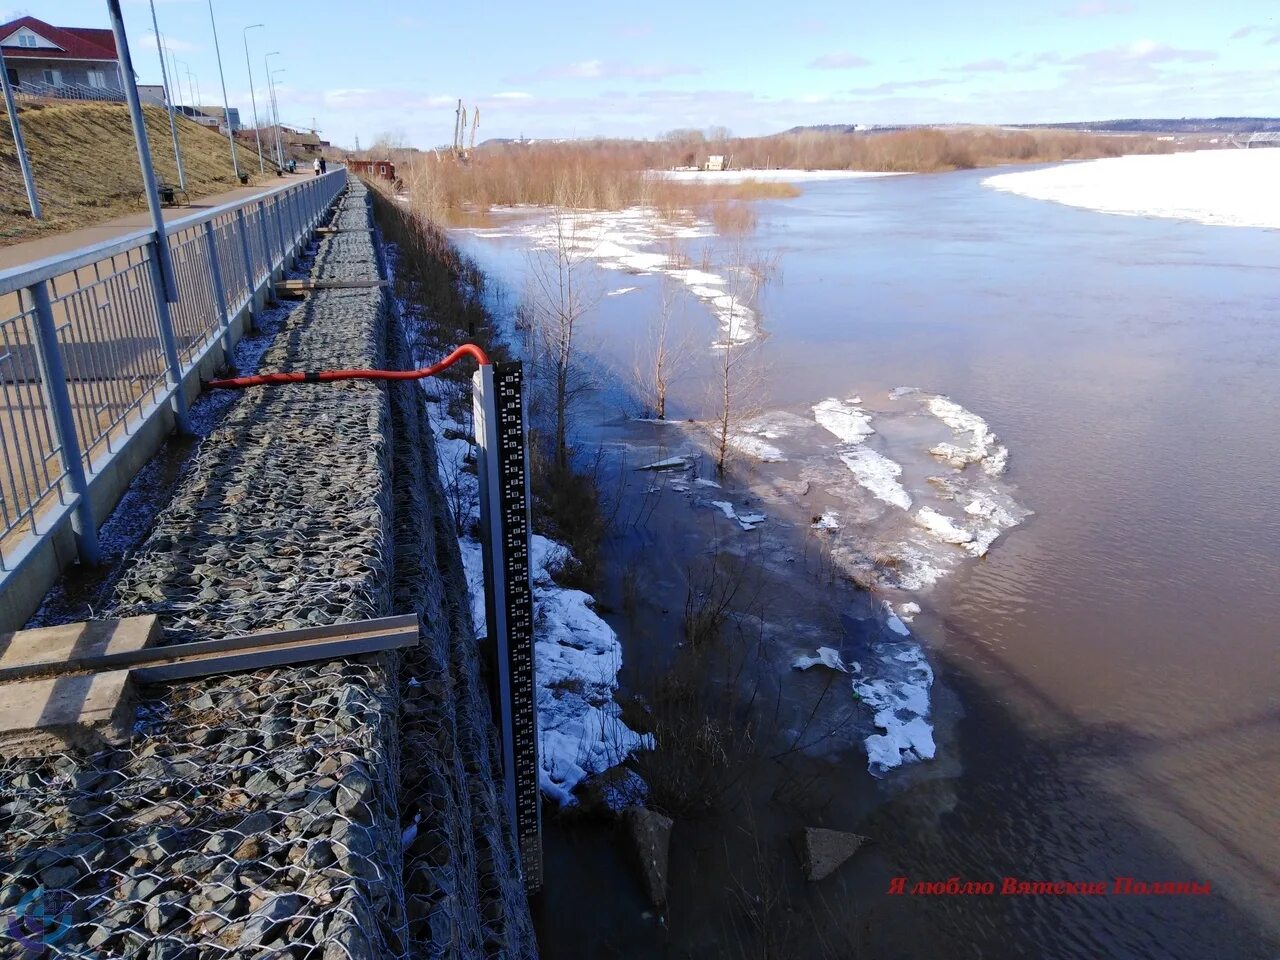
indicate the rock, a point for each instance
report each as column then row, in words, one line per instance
column 162, row 912
column 650, row 834
column 824, row 850
column 353, row 793
column 263, row 922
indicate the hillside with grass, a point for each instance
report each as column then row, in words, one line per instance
column 86, row 165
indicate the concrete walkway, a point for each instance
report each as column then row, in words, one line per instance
column 51, row 246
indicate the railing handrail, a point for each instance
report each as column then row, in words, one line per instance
column 24, row 275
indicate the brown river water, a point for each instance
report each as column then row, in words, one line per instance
column 1107, row 692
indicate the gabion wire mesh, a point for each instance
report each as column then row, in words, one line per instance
column 259, row 814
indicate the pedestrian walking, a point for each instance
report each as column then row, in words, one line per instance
column 318, row 167
column 324, row 166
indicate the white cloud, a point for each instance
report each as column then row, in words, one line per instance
column 839, row 61
column 612, row 70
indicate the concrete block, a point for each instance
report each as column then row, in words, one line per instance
column 86, row 711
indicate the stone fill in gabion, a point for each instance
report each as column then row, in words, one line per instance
column 263, row 814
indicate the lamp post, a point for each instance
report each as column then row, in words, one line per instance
column 226, row 105
column 19, row 145
column 168, row 98
column 187, row 95
column 271, row 101
column 257, row 131
column 275, row 98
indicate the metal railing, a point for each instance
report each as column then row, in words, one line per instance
column 91, row 350
column 41, row 90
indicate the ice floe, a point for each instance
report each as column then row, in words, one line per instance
column 983, row 447
column 898, row 695
column 748, row 521
column 670, row 463
column 878, row 474
column 620, row 291
column 942, row 526
column 755, row 446
column 768, row 176
column 844, row 418
column 626, row 240
column 827, row 657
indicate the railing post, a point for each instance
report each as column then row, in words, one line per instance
column 54, row 377
column 295, row 230
column 284, row 250
column 219, row 289
column 164, row 323
column 266, row 243
column 242, row 228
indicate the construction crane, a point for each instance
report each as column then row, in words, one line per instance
column 461, row 151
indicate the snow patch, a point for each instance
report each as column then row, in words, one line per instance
column 620, row 291
column 830, row 520
column 1223, row 187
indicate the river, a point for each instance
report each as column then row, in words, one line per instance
column 1107, row 697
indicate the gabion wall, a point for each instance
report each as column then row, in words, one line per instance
column 336, row 811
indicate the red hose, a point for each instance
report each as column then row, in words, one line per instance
column 325, row 376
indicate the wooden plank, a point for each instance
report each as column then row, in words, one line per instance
column 47, row 651
column 293, row 287
column 233, row 654
column 330, row 230
column 247, row 652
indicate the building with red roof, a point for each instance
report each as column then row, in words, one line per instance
column 61, row 61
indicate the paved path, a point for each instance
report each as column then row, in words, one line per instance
column 51, row 246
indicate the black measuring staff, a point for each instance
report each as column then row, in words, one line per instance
column 504, row 494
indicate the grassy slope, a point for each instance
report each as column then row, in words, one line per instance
column 86, row 165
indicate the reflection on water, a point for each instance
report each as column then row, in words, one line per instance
column 1115, row 655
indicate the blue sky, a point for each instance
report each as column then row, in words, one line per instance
column 555, row 69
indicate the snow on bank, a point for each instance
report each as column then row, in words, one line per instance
column 767, row 176
column 577, row 657
column 1225, row 187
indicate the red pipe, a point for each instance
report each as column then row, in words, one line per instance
column 325, row 376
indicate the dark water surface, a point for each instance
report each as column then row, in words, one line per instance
column 1116, row 659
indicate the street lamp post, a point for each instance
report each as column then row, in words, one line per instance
column 275, row 101
column 168, row 97
column 257, row 131
column 19, row 145
column 271, row 101
column 226, row 105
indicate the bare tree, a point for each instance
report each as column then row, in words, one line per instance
column 562, row 293
column 738, row 373
column 666, row 353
